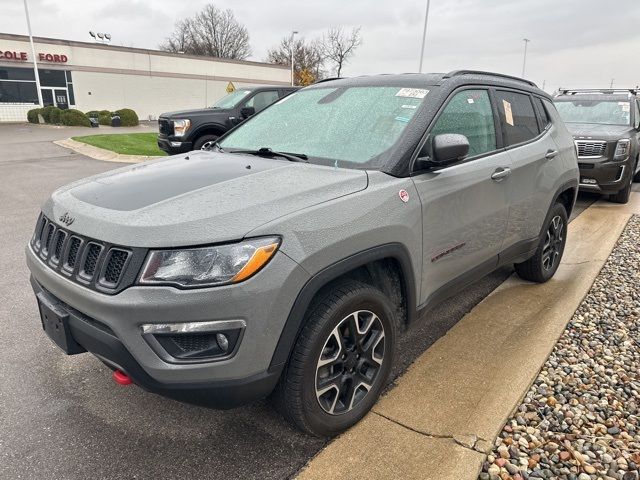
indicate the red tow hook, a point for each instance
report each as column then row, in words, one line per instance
column 121, row 378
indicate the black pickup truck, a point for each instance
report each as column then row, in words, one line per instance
column 187, row 130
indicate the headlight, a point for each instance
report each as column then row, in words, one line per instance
column 180, row 127
column 622, row 149
column 208, row 266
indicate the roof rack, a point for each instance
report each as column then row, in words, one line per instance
column 606, row 91
column 456, row 73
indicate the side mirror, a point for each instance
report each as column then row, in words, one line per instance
column 449, row 148
column 246, row 112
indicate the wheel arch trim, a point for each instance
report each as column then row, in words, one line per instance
column 295, row 320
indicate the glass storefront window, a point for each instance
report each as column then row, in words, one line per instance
column 18, row 92
column 14, row 73
column 52, row 78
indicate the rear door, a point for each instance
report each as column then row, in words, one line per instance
column 528, row 140
column 464, row 209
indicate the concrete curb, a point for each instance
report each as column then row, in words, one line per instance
column 100, row 153
column 458, row 394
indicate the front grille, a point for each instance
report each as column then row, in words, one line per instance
column 591, row 148
column 586, row 166
column 165, row 126
column 98, row 265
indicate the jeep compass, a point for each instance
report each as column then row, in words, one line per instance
column 290, row 258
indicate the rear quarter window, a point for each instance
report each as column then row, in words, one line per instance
column 517, row 117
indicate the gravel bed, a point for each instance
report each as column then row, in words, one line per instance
column 580, row 419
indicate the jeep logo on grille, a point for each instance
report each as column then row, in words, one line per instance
column 66, row 219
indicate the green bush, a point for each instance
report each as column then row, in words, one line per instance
column 75, row 118
column 92, row 114
column 128, row 118
column 47, row 111
column 104, row 119
column 54, row 115
column 32, row 115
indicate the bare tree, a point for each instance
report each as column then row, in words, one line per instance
column 338, row 46
column 212, row 32
column 307, row 57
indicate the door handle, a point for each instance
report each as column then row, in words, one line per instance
column 500, row 173
column 550, row 154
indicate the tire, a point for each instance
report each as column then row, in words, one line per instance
column 204, row 141
column 359, row 359
column 623, row 195
column 636, row 177
column 544, row 263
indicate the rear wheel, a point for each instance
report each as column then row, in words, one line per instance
column 544, row 263
column 341, row 360
column 205, row 142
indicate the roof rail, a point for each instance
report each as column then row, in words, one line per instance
column 609, row 91
column 456, row 73
column 322, row 80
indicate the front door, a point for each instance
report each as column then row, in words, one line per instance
column 465, row 206
column 47, row 97
column 61, row 99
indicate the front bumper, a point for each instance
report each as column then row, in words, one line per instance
column 173, row 146
column 110, row 326
column 610, row 177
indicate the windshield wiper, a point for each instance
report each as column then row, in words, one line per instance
column 267, row 152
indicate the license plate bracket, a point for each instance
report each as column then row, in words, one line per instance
column 55, row 323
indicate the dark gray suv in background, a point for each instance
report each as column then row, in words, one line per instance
column 291, row 257
column 605, row 124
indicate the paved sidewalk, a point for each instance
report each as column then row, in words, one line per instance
column 447, row 409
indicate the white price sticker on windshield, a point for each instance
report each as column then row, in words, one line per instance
column 412, row 92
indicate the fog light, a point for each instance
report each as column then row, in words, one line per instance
column 176, row 144
column 589, row 181
column 223, row 341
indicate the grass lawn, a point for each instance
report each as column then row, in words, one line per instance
column 127, row 143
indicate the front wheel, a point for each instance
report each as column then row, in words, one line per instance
column 341, row 361
column 544, row 263
column 205, row 142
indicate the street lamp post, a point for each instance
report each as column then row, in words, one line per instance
column 524, row 61
column 424, row 34
column 293, row 77
column 33, row 54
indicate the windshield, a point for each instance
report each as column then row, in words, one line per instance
column 606, row 112
column 347, row 126
column 231, row 100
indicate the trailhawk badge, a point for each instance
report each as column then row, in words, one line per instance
column 404, row 195
column 66, row 219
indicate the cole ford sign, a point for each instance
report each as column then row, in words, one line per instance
column 23, row 57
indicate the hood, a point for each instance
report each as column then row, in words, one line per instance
column 200, row 112
column 594, row 131
column 195, row 199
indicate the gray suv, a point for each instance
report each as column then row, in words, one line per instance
column 605, row 124
column 289, row 259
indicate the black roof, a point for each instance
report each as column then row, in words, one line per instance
column 419, row 80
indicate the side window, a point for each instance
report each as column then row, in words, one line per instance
column 517, row 117
column 469, row 113
column 542, row 112
column 262, row 100
column 637, row 113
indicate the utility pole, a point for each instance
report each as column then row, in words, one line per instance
column 293, row 77
column 33, row 54
column 524, row 62
column 424, row 35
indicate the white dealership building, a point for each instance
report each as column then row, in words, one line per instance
column 94, row 76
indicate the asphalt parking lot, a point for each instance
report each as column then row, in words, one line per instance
column 63, row 417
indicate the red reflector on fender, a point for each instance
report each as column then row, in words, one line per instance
column 121, row 378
